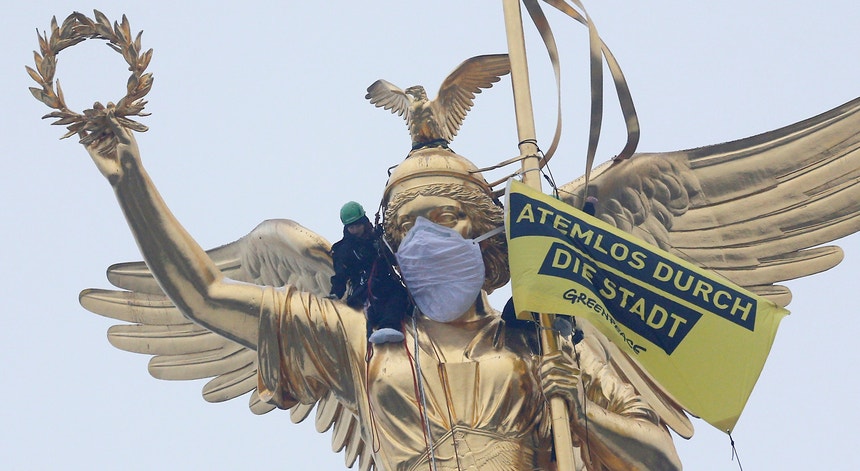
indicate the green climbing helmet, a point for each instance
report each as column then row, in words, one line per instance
column 351, row 212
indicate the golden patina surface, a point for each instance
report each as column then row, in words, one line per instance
column 464, row 395
column 471, row 394
column 482, row 403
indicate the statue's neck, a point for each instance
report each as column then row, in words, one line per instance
column 452, row 340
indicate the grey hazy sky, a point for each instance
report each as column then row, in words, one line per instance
column 258, row 112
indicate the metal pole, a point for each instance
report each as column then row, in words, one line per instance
column 522, row 95
column 566, row 459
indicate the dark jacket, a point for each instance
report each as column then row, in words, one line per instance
column 353, row 259
column 366, row 276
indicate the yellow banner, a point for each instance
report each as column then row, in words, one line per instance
column 703, row 338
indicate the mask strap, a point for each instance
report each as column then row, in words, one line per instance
column 486, row 236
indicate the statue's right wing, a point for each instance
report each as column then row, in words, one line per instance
column 275, row 253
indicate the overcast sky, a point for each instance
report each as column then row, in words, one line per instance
column 258, row 112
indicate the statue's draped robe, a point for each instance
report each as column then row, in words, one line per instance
column 484, row 402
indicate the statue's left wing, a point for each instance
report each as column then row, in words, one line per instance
column 275, row 253
column 755, row 210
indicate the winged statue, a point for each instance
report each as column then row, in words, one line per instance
column 437, row 121
column 469, row 394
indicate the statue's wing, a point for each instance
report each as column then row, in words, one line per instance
column 384, row 94
column 754, row 210
column 457, row 93
column 275, row 253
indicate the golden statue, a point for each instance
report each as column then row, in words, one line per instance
column 480, row 402
column 472, row 393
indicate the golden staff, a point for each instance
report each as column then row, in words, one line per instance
column 564, row 451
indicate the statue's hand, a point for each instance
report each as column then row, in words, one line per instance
column 110, row 161
column 560, row 377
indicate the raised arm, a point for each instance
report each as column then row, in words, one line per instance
column 181, row 266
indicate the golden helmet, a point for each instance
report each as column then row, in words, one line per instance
column 434, row 165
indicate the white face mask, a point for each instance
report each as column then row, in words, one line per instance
column 443, row 271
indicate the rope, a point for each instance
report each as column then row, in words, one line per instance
column 418, row 383
column 374, row 441
column 734, row 450
column 447, row 390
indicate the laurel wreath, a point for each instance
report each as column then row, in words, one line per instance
column 93, row 125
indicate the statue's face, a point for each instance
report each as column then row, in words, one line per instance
column 438, row 209
column 467, row 210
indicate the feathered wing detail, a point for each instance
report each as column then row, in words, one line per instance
column 384, row 94
column 182, row 349
column 346, row 435
column 755, row 210
column 441, row 118
column 275, row 253
column 457, row 93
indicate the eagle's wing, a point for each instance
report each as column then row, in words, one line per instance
column 755, row 210
column 275, row 253
column 457, row 93
column 384, row 94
